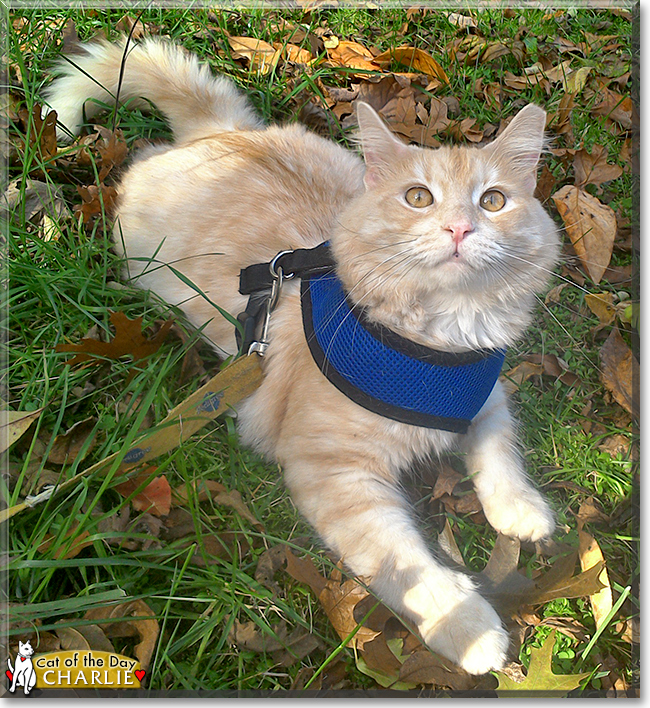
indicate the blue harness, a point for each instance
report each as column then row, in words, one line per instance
column 385, row 373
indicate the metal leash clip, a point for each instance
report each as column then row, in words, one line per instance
column 261, row 345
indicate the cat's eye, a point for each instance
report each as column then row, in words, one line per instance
column 493, row 200
column 419, row 197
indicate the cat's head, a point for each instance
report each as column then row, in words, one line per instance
column 25, row 649
column 447, row 229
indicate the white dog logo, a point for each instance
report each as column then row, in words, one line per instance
column 24, row 674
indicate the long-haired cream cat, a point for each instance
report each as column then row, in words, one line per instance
column 445, row 248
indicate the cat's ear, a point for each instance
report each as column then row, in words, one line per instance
column 381, row 148
column 520, row 145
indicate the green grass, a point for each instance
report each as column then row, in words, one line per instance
column 59, row 289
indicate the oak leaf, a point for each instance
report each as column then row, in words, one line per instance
column 540, row 679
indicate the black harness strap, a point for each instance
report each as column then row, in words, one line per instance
column 258, row 277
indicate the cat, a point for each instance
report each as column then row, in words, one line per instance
column 445, row 247
column 24, row 674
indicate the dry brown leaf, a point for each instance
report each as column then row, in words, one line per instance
column 602, row 305
column 522, row 372
column 67, row 550
column 113, row 151
column 620, row 372
column 128, row 341
column 415, row 59
column 41, row 131
column 304, row 570
column 590, row 554
column 96, row 200
column 67, row 447
column 352, row 55
column 234, row 500
column 286, row 650
column 447, row 541
column 261, row 55
column 593, row 168
column 138, row 619
column 425, row 667
column 293, row 53
column 446, row 481
column 392, row 97
column 590, row 225
column 338, row 601
column 615, row 107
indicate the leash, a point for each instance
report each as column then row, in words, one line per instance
column 233, row 383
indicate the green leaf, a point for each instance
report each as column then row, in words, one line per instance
column 540, row 678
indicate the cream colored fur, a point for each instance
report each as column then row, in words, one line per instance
column 230, row 193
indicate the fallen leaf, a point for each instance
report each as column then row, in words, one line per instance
column 447, row 542
column 446, row 481
column 128, row 341
column 415, row 59
column 392, row 97
column 523, row 371
column 574, row 81
column 338, row 600
column 285, row 649
column 464, row 21
column 353, row 55
column 593, row 168
column 67, row 549
column 602, row 305
column 261, row 56
column 41, row 131
column 96, row 200
column 69, row 447
column 552, row 365
column 539, row 677
column 554, row 585
column 268, row 564
column 590, row 225
column 293, row 53
column 620, row 372
column 304, row 570
column 155, row 498
column 590, row 554
column 85, row 637
column 138, row 619
column 112, row 151
column 14, row 424
column 615, row 107
column 426, row 667
column 234, row 500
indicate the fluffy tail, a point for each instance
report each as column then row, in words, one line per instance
column 194, row 101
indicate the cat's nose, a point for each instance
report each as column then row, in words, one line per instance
column 459, row 229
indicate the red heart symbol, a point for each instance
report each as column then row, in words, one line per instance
column 139, row 674
column 23, row 658
column 9, row 674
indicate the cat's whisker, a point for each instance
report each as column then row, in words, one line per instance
column 546, row 270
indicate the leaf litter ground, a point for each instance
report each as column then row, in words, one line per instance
column 436, row 77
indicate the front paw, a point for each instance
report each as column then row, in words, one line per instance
column 524, row 514
column 470, row 634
